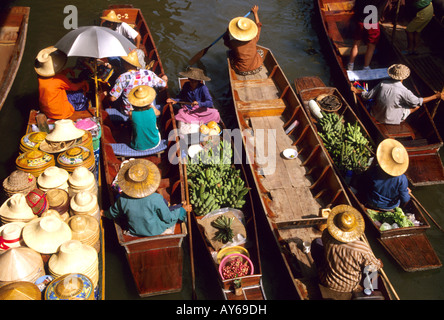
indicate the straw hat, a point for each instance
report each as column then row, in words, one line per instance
column 345, row 223
column 242, row 28
column 132, row 58
column 49, row 61
column 86, row 229
column 142, row 96
column 11, row 235
column 139, row 178
column 54, row 213
column 75, row 157
column 53, row 177
column 58, row 200
column 56, row 146
column 34, row 161
column 32, row 140
column 20, row 264
column 64, row 130
column 398, row 71
column 195, row 74
column 81, row 178
column 392, row 157
column 73, row 286
column 21, row 290
column 36, row 200
column 19, row 182
column 15, row 208
column 84, row 203
column 111, row 16
column 45, row 235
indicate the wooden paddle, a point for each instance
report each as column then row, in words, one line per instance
column 202, row 52
column 436, row 105
column 426, row 212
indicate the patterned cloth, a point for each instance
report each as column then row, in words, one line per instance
column 131, row 79
column 341, row 265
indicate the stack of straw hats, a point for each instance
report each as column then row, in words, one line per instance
column 32, row 141
column 11, row 235
column 19, row 182
column 20, row 264
column 20, row 290
column 34, row 161
column 85, row 203
column 75, row 257
column 64, row 136
column 36, row 200
column 82, row 179
column 86, row 229
column 87, row 141
column 58, row 200
column 45, row 235
column 55, row 213
column 77, row 156
column 53, row 178
column 72, row 286
column 15, row 209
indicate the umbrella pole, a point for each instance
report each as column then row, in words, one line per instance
column 97, row 88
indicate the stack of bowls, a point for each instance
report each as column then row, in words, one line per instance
column 77, row 156
column 58, row 200
column 86, row 229
column 53, row 178
column 34, row 161
column 32, row 141
column 85, row 203
column 75, row 257
column 82, row 179
column 46, row 234
column 72, row 286
column 20, row 264
column 19, row 182
column 11, row 235
column 15, row 209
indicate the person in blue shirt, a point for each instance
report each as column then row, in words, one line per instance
column 388, row 185
column 145, row 211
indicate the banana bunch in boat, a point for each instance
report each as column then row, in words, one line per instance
column 225, row 232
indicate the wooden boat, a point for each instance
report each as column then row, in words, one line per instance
column 418, row 133
column 294, row 193
column 401, row 243
column 13, row 31
column 32, row 126
column 156, row 262
column 251, row 284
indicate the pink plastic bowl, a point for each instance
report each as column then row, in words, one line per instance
column 231, row 257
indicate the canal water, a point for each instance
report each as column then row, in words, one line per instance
column 180, row 29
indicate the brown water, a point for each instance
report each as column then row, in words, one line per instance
column 181, row 29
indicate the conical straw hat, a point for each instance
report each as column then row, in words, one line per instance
column 20, row 290
column 139, row 178
column 53, row 177
column 195, row 74
column 18, row 264
column 45, row 235
column 398, row 71
column 132, row 58
column 242, row 29
column 15, row 208
column 111, row 16
column 72, row 286
column 345, row 223
column 49, row 61
column 141, row 96
column 65, row 130
column 32, row 140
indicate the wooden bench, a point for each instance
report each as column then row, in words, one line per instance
column 403, row 130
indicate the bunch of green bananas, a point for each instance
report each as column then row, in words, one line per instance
column 225, row 232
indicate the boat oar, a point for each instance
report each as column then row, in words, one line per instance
column 437, row 104
column 202, row 52
column 426, row 212
column 190, row 238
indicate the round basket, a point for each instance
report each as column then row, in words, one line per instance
column 34, row 162
column 75, row 157
column 235, row 265
column 329, row 102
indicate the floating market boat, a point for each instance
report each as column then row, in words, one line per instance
column 222, row 204
column 418, row 133
column 13, row 31
column 293, row 176
column 156, row 262
column 36, row 125
column 401, row 243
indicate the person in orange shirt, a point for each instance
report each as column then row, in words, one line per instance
column 59, row 97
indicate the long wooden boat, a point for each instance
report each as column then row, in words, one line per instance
column 156, row 262
column 293, row 192
column 418, row 133
column 401, row 243
column 252, row 287
column 32, row 126
column 13, row 31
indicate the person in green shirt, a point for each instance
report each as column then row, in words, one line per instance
column 145, row 211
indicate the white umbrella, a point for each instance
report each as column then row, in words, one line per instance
column 94, row 42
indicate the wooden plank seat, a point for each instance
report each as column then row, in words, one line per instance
column 402, row 130
column 273, row 107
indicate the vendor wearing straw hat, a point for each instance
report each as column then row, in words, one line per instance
column 394, row 102
column 388, row 185
column 200, row 108
column 145, row 135
column 58, row 96
column 243, row 53
column 145, row 210
column 340, row 255
column 132, row 77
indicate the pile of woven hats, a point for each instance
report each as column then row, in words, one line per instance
column 85, row 203
column 82, row 179
column 19, row 182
